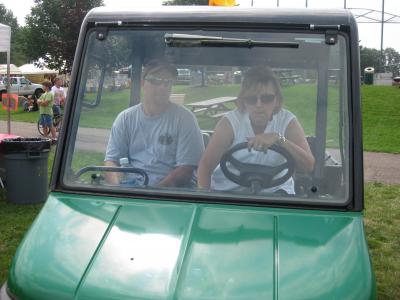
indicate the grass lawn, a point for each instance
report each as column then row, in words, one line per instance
column 382, row 226
column 381, row 118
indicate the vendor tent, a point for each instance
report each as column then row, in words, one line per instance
column 14, row 70
column 5, row 44
column 37, row 74
column 5, row 38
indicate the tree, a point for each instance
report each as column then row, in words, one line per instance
column 186, row 2
column 370, row 57
column 7, row 18
column 392, row 61
column 52, row 30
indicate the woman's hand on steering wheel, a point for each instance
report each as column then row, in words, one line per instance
column 262, row 141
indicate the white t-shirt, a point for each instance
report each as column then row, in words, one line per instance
column 242, row 129
column 58, row 93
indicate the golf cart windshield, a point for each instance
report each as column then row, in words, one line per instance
column 113, row 131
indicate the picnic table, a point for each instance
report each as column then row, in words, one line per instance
column 212, row 106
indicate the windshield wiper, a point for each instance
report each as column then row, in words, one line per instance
column 189, row 40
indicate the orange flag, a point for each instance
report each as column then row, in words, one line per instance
column 221, row 2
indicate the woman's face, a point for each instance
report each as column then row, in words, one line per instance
column 260, row 102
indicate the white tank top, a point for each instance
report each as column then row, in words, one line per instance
column 242, row 129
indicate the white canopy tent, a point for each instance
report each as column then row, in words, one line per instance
column 5, row 44
column 31, row 69
column 5, row 38
column 14, row 70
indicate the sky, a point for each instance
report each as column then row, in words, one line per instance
column 369, row 34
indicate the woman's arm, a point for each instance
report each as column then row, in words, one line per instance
column 220, row 142
column 296, row 144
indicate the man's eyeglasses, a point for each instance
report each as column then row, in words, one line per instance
column 159, row 81
column 264, row 98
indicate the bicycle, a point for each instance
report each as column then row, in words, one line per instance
column 57, row 123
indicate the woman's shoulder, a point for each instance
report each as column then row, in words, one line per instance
column 235, row 114
column 284, row 114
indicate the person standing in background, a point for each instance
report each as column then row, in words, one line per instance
column 59, row 96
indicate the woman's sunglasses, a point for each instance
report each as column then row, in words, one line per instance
column 264, row 98
column 159, row 81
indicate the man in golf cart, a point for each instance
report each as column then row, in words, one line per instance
column 157, row 136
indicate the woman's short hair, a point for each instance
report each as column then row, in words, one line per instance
column 158, row 65
column 260, row 75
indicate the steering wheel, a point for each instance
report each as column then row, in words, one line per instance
column 257, row 176
column 96, row 177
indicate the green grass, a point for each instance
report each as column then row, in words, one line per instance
column 382, row 226
column 15, row 220
column 381, row 118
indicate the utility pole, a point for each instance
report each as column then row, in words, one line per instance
column 383, row 21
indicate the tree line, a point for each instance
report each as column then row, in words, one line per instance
column 52, row 29
column 51, row 32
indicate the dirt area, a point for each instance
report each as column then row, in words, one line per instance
column 381, row 167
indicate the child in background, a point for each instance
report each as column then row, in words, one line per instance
column 45, row 103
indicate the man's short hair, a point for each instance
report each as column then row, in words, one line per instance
column 157, row 65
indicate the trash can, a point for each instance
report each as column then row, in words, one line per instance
column 25, row 163
column 237, row 77
column 369, row 75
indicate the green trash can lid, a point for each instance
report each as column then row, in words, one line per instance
column 16, row 145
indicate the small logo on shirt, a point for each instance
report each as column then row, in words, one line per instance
column 165, row 139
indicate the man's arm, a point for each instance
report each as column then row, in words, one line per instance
column 180, row 176
column 189, row 150
column 112, row 177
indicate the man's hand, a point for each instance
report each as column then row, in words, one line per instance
column 112, row 177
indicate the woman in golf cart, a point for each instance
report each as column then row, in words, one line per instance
column 260, row 121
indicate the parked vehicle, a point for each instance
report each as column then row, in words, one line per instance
column 98, row 240
column 20, row 86
column 184, row 76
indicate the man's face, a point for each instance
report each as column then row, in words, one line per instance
column 157, row 86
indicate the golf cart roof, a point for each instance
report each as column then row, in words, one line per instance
column 324, row 21
column 223, row 15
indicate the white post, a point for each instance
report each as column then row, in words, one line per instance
column 8, row 94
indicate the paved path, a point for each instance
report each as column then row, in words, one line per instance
column 382, row 167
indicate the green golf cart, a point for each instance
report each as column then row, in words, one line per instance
column 95, row 239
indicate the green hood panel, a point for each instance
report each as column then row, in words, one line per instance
column 83, row 247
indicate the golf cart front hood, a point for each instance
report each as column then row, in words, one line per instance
column 110, row 248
